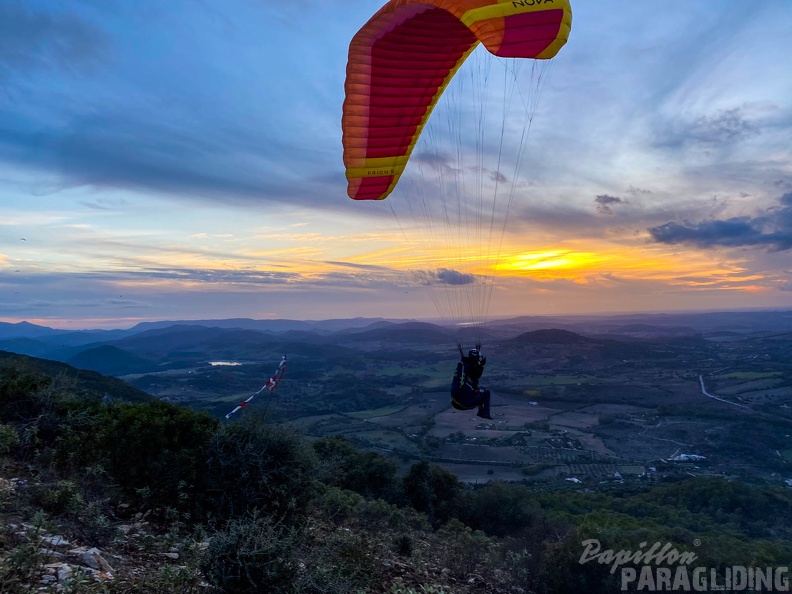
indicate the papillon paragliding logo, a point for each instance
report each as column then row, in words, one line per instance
column 661, row 567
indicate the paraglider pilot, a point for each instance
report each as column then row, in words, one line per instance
column 474, row 364
column 465, row 391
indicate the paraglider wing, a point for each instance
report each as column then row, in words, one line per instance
column 403, row 58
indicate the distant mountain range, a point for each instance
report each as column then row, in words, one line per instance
column 552, row 336
column 322, row 326
column 157, row 346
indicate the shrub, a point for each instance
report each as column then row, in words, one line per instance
column 464, row 551
column 63, row 497
column 19, row 389
column 368, row 473
column 336, row 456
column 157, row 445
column 431, row 490
column 22, row 558
column 9, row 439
column 337, row 505
column 256, row 466
column 499, row 508
column 403, row 545
column 20, row 566
column 373, row 476
column 251, row 554
column 339, row 563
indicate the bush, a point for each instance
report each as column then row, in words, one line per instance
column 336, row 456
column 19, row 393
column 499, row 509
column 158, row 444
column 403, row 545
column 251, row 554
column 22, row 556
column 339, row 563
column 373, row 476
column 256, row 466
column 560, row 570
column 154, row 445
column 9, row 439
column 63, row 497
column 431, row 490
column 464, row 551
column 337, row 505
column 367, row 473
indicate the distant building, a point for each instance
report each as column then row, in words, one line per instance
column 687, row 458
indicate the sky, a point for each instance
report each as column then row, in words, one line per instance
column 183, row 160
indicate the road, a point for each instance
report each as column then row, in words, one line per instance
column 704, row 391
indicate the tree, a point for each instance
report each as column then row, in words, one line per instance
column 253, row 465
column 432, row 490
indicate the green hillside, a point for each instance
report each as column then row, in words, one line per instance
column 150, row 497
column 81, row 382
column 111, row 360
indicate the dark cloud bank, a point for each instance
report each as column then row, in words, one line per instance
column 771, row 230
column 155, row 139
column 30, row 39
column 445, row 276
column 604, row 203
column 723, row 128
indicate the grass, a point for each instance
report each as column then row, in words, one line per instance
column 753, row 385
column 548, row 380
column 376, row 412
column 749, row 375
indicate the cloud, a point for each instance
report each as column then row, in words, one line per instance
column 635, row 192
column 604, row 203
column 497, row 176
column 178, row 108
column 435, row 160
column 368, row 267
column 445, row 276
column 724, row 127
column 453, row 277
column 38, row 40
column 45, row 304
column 772, row 230
column 122, row 151
column 213, row 276
column 152, row 280
column 105, row 203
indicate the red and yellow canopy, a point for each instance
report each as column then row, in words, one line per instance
column 401, row 61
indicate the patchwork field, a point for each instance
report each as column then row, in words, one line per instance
column 583, row 410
